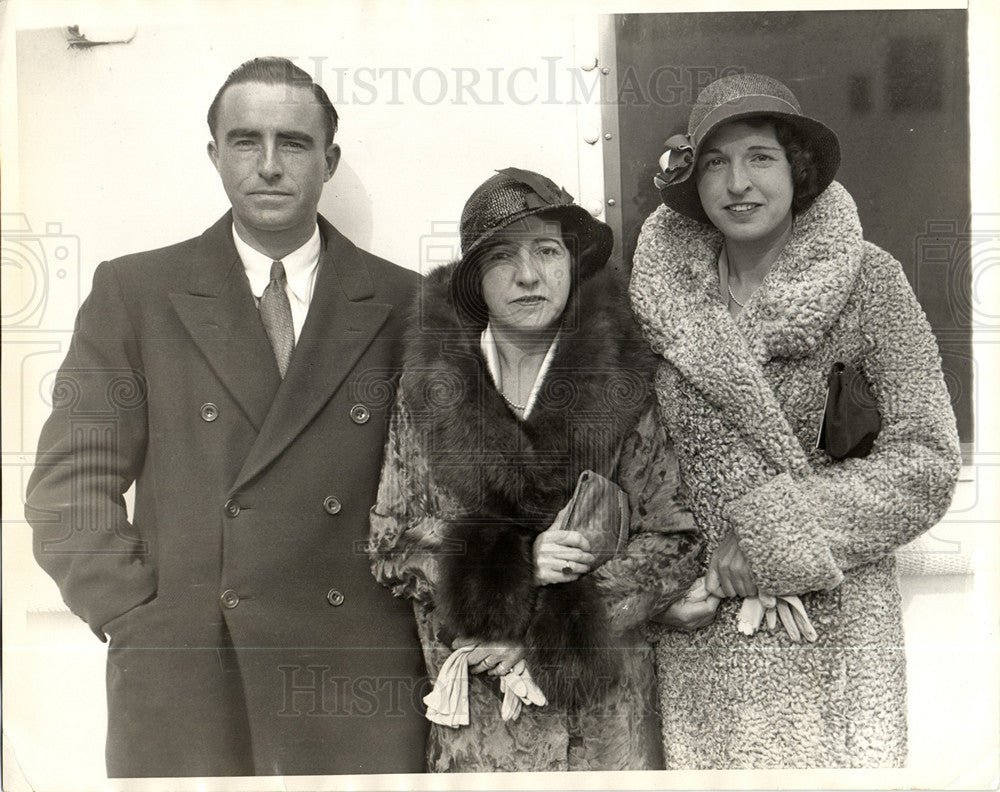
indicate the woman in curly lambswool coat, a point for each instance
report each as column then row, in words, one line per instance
column 751, row 283
column 523, row 369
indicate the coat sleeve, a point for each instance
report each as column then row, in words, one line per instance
column 409, row 516
column 800, row 533
column 663, row 555
column 90, row 451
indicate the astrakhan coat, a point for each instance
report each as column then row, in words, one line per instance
column 465, row 489
column 742, row 400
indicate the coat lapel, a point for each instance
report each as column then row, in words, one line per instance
column 723, row 359
column 675, row 293
column 219, row 313
column 807, row 288
column 341, row 324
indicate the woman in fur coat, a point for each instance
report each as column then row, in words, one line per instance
column 523, row 369
column 751, row 283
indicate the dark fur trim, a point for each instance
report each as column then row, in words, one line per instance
column 487, row 587
column 598, row 385
column 512, row 477
column 571, row 653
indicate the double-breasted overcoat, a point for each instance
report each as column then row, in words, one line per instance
column 247, row 635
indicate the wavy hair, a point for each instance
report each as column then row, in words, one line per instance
column 272, row 70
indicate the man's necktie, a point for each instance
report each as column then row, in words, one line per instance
column 276, row 314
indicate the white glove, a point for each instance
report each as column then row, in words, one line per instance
column 787, row 607
column 518, row 689
column 448, row 701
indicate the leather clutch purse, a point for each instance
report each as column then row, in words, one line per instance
column 599, row 510
column 851, row 420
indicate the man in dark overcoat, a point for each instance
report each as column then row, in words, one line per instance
column 247, row 401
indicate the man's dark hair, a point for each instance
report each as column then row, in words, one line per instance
column 275, row 71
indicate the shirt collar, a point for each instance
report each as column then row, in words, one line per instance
column 299, row 265
column 488, row 345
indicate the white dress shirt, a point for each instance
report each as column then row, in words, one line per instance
column 300, row 272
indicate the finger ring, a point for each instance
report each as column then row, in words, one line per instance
column 567, row 570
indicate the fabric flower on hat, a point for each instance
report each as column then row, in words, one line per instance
column 676, row 163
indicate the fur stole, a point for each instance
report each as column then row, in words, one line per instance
column 513, row 477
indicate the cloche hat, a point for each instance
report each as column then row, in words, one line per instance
column 728, row 99
column 510, row 195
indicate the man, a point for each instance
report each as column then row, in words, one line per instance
column 248, row 403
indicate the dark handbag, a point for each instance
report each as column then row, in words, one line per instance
column 599, row 510
column 851, row 419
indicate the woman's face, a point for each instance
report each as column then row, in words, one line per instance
column 745, row 182
column 526, row 275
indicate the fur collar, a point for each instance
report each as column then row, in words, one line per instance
column 675, row 295
column 596, row 388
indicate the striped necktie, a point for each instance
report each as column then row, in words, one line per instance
column 276, row 314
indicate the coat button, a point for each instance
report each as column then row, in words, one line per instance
column 232, row 508
column 334, row 597
column 360, row 414
column 230, row 599
column 209, row 412
column 332, row 505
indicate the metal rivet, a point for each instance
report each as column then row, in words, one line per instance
column 611, row 202
column 335, row 598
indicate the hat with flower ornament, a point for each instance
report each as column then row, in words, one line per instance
column 510, row 195
column 735, row 98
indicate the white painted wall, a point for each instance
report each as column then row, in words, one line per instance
column 104, row 153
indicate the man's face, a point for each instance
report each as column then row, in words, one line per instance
column 270, row 150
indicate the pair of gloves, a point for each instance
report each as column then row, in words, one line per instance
column 448, row 701
column 788, row 608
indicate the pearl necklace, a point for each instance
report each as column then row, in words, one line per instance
column 733, row 296
column 515, row 405
column 729, row 277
